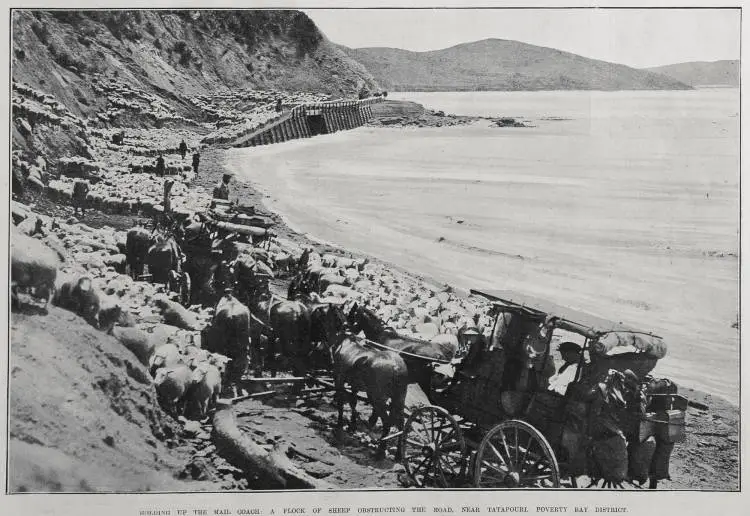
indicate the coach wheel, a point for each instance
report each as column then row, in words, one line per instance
column 433, row 449
column 514, row 454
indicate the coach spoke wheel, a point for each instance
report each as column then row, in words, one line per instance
column 515, row 455
column 433, row 449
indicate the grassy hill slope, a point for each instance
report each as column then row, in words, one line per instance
column 703, row 73
column 503, row 65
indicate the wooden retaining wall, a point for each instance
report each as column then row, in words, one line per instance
column 309, row 120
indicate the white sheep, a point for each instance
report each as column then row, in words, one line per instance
column 172, row 383
column 166, row 355
column 205, row 387
column 33, row 265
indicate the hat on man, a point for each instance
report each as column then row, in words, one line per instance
column 569, row 347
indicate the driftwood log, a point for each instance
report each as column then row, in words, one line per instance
column 264, row 470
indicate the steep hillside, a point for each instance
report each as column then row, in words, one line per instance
column 83, row 413
column 703, row 73
column 496, row 64
column 177, row 54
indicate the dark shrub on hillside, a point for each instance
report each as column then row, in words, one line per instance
column 69, row 17
column 306, row 33
column 41, row 31
column 184, row 51
column 122, row 24
column 65, row 59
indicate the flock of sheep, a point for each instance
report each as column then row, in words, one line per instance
column 82, row 269
column 65, row 265
column 418, row 309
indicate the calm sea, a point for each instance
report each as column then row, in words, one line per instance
column 621, row 204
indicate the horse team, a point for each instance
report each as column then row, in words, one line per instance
column 301, row 334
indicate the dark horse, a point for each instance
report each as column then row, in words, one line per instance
column 380, row 373
column 198, row 242
column 289, row 341
column 420, row 370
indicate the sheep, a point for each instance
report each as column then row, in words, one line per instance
column 163, row 333
column 108, row 314
column 283, row 262
column 125, row 319
column 195, row 355
column 329, row 260
column 205, row 388
column 327, row 280
column 118, row 261
column 33, row 265
column 86, row 300
column 175, row 314
column 352, row 275
column 166, row 355
column 172, row 383
column 137, row 341
column 220, row 361
column 343, row 294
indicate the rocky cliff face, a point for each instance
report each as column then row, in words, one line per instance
column 175, row 55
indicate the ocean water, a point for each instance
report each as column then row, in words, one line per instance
column 621, row 204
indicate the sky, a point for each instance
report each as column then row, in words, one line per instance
column 637, row 37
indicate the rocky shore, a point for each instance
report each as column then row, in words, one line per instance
column 399, row 114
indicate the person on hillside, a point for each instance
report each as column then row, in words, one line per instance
column 571, row 355
column 160, row 169
column 80, row 193
column 183, row 149
column 196, row 161
column 221, row 190
column 278, row 106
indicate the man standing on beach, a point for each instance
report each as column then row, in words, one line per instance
column 196, row 161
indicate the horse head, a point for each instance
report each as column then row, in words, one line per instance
column 334, row 324
column 353, row 318
column 370, row 323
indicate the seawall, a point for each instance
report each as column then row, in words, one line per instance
column 308, row 120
